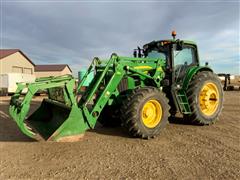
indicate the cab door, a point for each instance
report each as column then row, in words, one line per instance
column 183, row 59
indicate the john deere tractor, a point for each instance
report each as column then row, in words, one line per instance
column 140, row 93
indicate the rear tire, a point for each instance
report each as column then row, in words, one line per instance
column 205, row 96
column 145, row 112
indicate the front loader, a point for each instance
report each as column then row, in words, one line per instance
column 140, row 93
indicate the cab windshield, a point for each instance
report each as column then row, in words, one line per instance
column 157, row 54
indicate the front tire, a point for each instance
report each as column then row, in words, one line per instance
column 145, row 112
column 205, row 97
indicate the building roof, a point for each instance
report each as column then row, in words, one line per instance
column 51, row 67
column 7, row 52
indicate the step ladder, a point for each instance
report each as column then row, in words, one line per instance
column 183, row 102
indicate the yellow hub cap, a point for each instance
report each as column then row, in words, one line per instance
column 151, row 113
column 209, row 99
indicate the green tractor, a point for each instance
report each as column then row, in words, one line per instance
column 140, row 93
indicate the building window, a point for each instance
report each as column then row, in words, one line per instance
column 17, row 69
column 27, row 70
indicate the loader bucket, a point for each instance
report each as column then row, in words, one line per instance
column 53, row 120
column 48, row 118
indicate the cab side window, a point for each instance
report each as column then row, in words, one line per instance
column 186, row 56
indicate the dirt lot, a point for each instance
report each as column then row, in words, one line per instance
column 180, row 152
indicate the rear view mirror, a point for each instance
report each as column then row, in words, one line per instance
column 179, row 46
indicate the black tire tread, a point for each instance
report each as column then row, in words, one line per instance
column 195, row 117
column 129, row 107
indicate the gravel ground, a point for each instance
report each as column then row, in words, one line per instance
column 180, row 152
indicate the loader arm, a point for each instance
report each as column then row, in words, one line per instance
column 97, row 95
column 91, row 114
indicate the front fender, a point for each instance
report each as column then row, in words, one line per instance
column 191, row 72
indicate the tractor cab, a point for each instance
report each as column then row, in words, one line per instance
column 179, row 55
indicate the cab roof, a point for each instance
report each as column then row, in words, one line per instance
column 174, row 40
column 166, row 41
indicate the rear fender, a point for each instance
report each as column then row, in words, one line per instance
column 191, row 72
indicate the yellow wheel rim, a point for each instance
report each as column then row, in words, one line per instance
column 209, row 99
column 151, row 113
